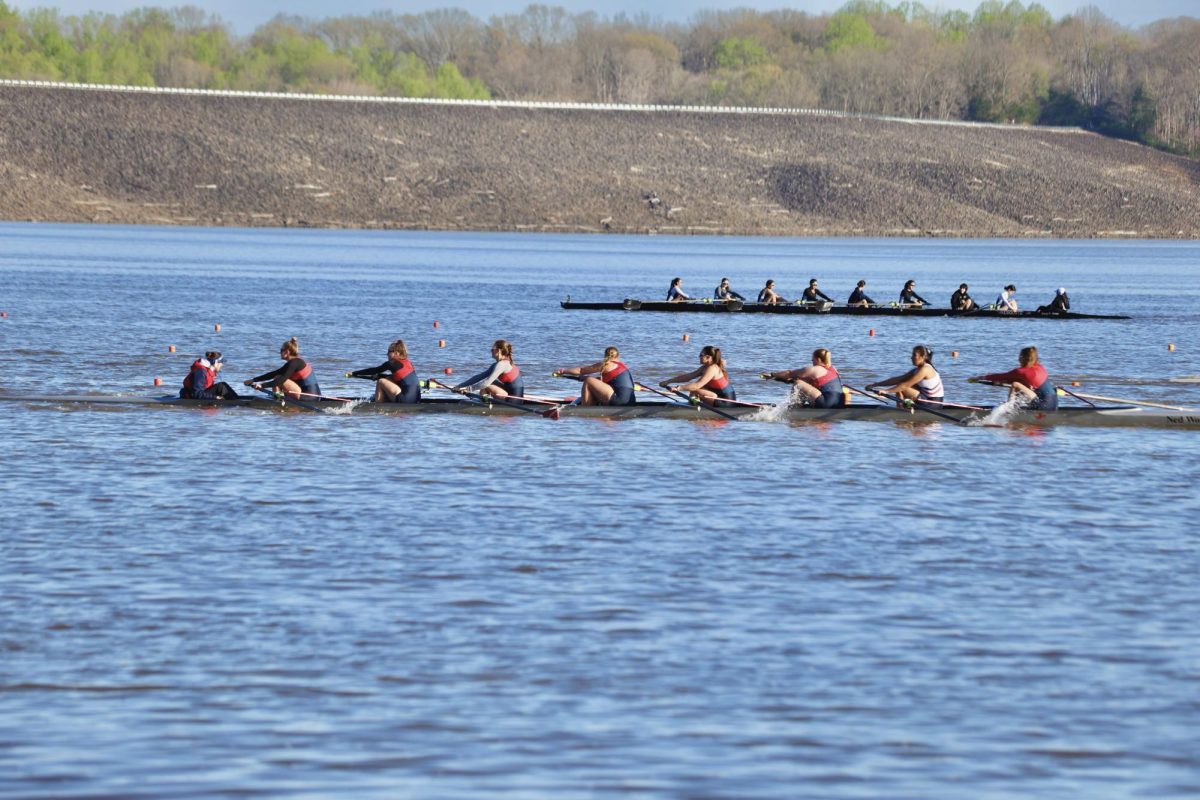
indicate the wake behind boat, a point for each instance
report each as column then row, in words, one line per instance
column 1118, row 416
column 890, row 310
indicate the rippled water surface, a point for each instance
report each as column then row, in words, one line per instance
column 219, row 603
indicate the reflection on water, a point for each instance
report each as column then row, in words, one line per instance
column 239, row 602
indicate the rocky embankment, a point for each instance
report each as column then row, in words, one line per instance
column 106, row 156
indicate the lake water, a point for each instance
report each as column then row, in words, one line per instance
column 221, row 603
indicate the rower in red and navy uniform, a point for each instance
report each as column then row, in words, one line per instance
column 614, row 387
column 819, row 382
column 395, row 379
column 201, row 382
column 709, row 382
column 502, row 379
column 1028, row 383
column 295, row 378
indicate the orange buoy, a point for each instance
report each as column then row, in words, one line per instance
column 158, row 381
column 1171, row 348
column 170, row 348
column 448, row 371
column 441, row 342
column 1076, row 383
column 871, row 332
column 217, row 328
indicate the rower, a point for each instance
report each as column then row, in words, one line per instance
column 1006, row 302
column 921, row 385
column 1027, row 383
column 769, row 297
column 961, row 299
column 201, row 381
column 814, row 295
column 675, row 293
column 909, row 296
column 295, row 378
column 819, row 383
column 724, row 292
column 859, row 296
column 614, row 387
column 1059, row 305
column 709, row 382
column 396, row 380
column 502, row 379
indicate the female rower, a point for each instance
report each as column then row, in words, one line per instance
column 201, row 382
column 769, row 297
column 858, row 297
column 295, row 378
column 614, row 387
column 395, row 379
column 502, row 379
column 675, row 293
column 1028, row 382
column 820, row 383
column 1006, row 301
column 814, row 295
column 921, row 384
column 909, row 296
column 709, row 382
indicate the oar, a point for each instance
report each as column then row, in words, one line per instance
column 703, row 405
column 283, row 399
column 1127, row 401
column 1068, row 392
column 329, row 397
column 549, row 413
column 914, row 407
column 637, row 387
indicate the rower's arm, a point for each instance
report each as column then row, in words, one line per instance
column 275, row 373
column 683, row 377
column 588, row 369
column 703, row 377
column 824, row 296
column 487, row 377
column 371, row 372
column 894, row 382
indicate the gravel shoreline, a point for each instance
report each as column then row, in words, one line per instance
column 121, row 157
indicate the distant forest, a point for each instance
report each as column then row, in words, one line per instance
column 1007, row 62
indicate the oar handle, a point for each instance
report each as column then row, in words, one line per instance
column 705, row 406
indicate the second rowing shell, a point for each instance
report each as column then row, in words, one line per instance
column 737, row 306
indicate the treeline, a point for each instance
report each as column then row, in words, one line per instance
column 1006, row 62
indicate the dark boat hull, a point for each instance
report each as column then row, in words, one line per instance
column 737, row 306
column 1116, row 416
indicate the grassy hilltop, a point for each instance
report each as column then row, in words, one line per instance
column 68, row 155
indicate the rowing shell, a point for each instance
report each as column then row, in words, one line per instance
column 1106, row 417
column 737, row 306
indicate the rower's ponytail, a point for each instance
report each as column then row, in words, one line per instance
column 505, row 349
column 715, row 354
column 611, row 354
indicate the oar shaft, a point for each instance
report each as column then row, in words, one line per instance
column 1127, row 401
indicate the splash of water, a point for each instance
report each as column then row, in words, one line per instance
column 346, row 408
column 779, row 411
column 1000, row 415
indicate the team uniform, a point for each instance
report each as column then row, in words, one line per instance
column 930, row 390
column 399, row 372
column 503, row 373
column 832, row 393
column 724, row 391
column 1035, row 377
column 296, row 370
column 857, row 296
column 620, row 380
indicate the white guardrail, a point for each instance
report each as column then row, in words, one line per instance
column 526, row 104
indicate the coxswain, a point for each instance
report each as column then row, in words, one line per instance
column 858, row 297
column 1006, row 301
column 502, row 379
column 819, row 382
column 201, row 381
column 909, row 296
column 675, row 293
column 769, row 297
column 614, row 387
column 295, row 378
column 709, row 382
column 395, row 379
column 961, row 299
column 1059, row 305
column 814, row 295
column 921, row 385
column 1027, row 383
column 724, row 292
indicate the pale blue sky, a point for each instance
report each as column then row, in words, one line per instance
column 245, row 15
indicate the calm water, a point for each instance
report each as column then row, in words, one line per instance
column 229, row 603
